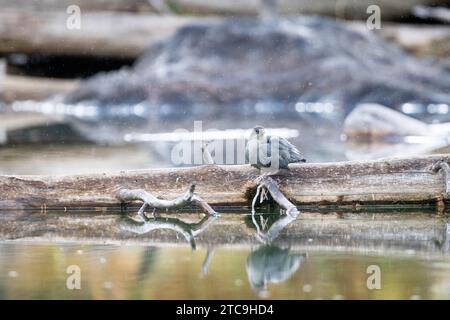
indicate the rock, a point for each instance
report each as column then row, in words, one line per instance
column 247, row 63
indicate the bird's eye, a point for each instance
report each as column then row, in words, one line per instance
column 257, row 130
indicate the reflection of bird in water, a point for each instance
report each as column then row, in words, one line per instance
column 270, row 151
column 271, row 264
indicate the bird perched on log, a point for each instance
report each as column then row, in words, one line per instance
column 265, row 151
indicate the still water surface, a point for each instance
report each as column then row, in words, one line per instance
column 37, row 270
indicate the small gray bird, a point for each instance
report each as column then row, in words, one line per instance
column 261, row 150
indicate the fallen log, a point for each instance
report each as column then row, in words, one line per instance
column 418, row 39
column 127, row 35
column 85, row 5
column 13, row 88
column 348, row 9
column 439, row 13
column 394, row 180
column 110, row 34
column 377, row 122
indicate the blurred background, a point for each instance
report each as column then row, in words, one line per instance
column 89, row 86
column 105, row 85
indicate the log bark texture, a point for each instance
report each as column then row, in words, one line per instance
column 396, row 180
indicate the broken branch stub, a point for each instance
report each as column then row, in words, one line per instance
column 442, row 166
column 189, row 197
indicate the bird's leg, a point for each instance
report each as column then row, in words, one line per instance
column 258, row 190
column 264, row 195
column 279, row 172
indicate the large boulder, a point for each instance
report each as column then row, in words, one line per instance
column 268, row 65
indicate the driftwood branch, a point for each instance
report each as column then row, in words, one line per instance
column 128, row 195
column 267, row 183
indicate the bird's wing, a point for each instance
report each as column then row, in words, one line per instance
column 256, row 153
column 246, row 152
column 294, row 154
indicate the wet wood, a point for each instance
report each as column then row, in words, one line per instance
column 392, row 181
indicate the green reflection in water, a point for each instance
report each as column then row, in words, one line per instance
column 38, row 271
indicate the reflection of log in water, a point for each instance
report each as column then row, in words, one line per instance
column 188, row 230
column 390, row 232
